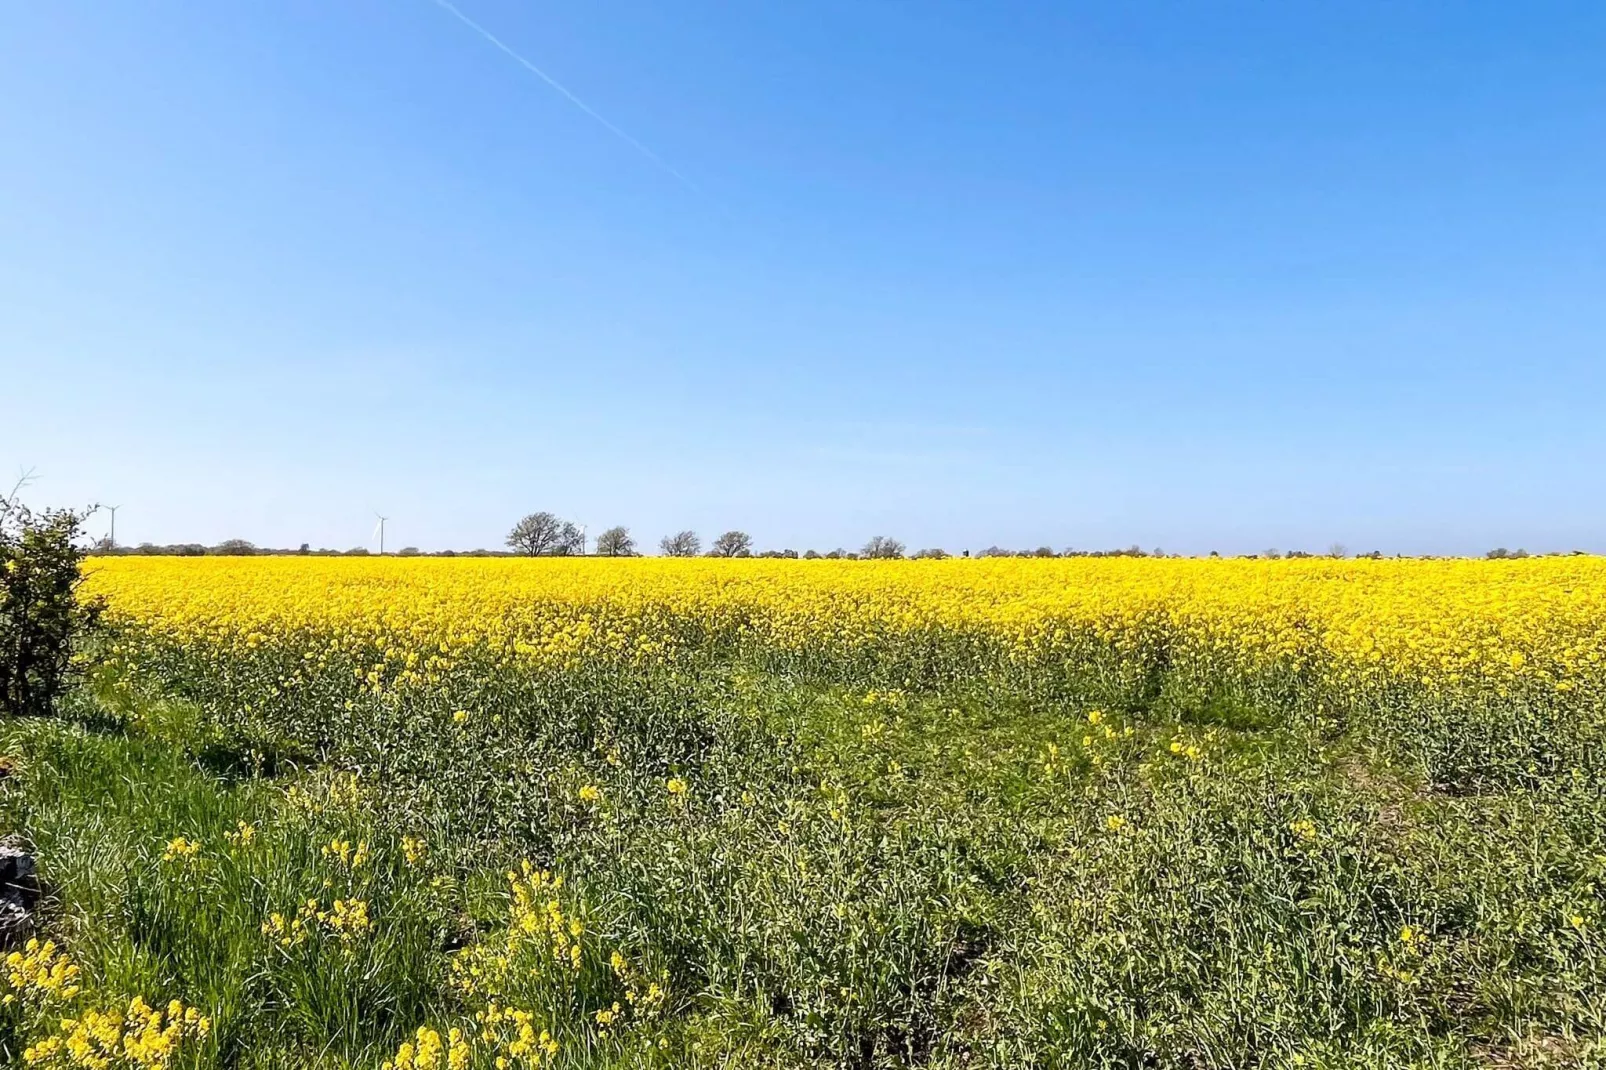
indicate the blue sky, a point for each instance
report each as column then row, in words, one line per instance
column 1190, row 275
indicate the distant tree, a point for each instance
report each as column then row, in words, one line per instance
column 234, row 548
column 811, row 555
column 409, row 551
column 880, row 546
column 1272, row 554
column 571, row 541
column 1043, row 551
column 1338, row 549
column 930, row 554
column 542, row 533
column 616, row 542
column 994, row 551
column 358, row 551
column 306, row 548
column 836, row 555
column 732, row 544
column 681, row 544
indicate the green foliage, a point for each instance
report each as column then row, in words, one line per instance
column 42, row 620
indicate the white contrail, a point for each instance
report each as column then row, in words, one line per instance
column 555, row 84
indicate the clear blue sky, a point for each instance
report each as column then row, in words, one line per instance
column 1189, row 275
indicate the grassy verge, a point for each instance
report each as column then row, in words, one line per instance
column 748, row 871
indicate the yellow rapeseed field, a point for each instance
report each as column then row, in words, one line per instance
column 481, row 814
column 1538, row 623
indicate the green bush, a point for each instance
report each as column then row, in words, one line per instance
column 42, row 619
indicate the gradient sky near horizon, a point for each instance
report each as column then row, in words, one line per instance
column 1187, row 275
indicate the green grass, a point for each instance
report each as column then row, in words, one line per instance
column 852, row 879
column 100, row 809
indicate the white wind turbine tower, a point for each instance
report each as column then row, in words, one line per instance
column 379, row 529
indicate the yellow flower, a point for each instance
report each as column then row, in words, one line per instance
column 243, row 834
column 590, row 793
column 348, row 918
column 343, row 854
column 40, row 973
column 180, row 849
column 676, row 786
column 140, row 1036
column 458, row 1050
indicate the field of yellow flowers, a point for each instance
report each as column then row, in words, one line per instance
column 1091, row 812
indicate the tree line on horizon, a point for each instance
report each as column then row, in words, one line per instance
column 544, row 534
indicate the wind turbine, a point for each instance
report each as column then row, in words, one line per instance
column 112, row 537
column 379, row 529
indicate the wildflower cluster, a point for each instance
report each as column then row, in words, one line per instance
column 140, row 1037
column 515, row 1036
column 243, row 835
column 342, row 853
column 643, row 997
column 40, row 973
column 180, row 849
column 1183, row 749
column 548, row 960
column 429, row 1051
column 346, row 919
column 543, row 937
column 342, row 792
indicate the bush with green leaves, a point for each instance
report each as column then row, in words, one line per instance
column 43, row 621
